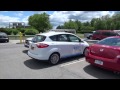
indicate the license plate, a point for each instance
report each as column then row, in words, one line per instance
column 98, row 62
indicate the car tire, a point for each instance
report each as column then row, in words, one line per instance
column 7, row 40
column 54, row 58
column 90, row 37
column 84, row 51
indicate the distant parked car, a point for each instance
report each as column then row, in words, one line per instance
column 105, row 53
column 4, row 37
column 27, row 42
column 88, row 35
column 52, row 46
column 101, row 34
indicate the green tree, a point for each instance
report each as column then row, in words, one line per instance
column 70, row 25
column 40, row 22
column 79, row 25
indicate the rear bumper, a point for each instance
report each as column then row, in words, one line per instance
column 112, row 65
column 37, row 56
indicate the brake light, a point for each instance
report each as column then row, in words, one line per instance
column 42, row 45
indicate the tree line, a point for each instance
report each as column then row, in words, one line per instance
column 106, row 22
column 41, row 23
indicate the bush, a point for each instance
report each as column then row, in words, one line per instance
column 31, row 31
column 15, row 31
column 8, row 31
column 2, row 29
column 22, row 30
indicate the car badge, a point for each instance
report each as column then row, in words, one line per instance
column 101, row 50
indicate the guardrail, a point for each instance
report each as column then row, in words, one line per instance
column 17, row 37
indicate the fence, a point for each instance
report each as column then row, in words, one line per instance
column 17, row 37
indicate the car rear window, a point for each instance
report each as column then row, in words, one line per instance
column 38, row 38
column 110, row 41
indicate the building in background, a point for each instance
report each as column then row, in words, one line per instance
column 16, row 24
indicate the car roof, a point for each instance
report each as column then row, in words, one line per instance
column 51, row 33
column 105, row 30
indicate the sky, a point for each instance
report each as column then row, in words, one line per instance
column 56, row 17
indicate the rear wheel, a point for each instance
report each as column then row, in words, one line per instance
column 54, row 58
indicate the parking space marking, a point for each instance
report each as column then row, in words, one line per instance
column 72, row 63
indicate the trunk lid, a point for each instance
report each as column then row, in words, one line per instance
column 104, row 51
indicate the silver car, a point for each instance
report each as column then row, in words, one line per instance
column 27, row 42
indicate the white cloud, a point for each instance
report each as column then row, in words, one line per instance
column 59, row 17
column 39, row 12
column 8, row 19
column 4, row 20
column 19, row 13
column 25, row 19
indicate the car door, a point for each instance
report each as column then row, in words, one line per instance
column 75, row 45
column 63, row 45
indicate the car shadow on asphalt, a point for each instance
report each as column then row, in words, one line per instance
column 100, row 73
column 39, row 64
column 25, row 51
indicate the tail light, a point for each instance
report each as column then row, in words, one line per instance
column 42, row 45
column 118, row 59
column 87, row 51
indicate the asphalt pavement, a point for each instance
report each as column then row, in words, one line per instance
column 16, row 64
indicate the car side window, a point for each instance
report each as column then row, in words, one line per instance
column 53, row 38
column 62, row 37
column 97, row 33
column 107, row 33
column 73, row 38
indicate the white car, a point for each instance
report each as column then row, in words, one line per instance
column 53, row 46
column 27, row 42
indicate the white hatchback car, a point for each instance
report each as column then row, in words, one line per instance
column 53, row 46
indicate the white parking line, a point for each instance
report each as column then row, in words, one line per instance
column 72, row 63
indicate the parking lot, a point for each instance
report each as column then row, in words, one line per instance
column 15, row 64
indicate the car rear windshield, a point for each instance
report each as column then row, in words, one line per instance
column 38, row 38
column 110, row 41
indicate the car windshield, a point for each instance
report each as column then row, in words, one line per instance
column 3, row 34
column 110, row 41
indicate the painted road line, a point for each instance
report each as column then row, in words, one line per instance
column 72, row 63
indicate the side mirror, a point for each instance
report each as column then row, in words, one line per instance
column 80, row 40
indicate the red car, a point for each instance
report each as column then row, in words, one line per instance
column 105, row 53
column 101, row 34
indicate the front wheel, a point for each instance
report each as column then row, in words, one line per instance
column 54, row 58
column 85, row 51
column 7, row 40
